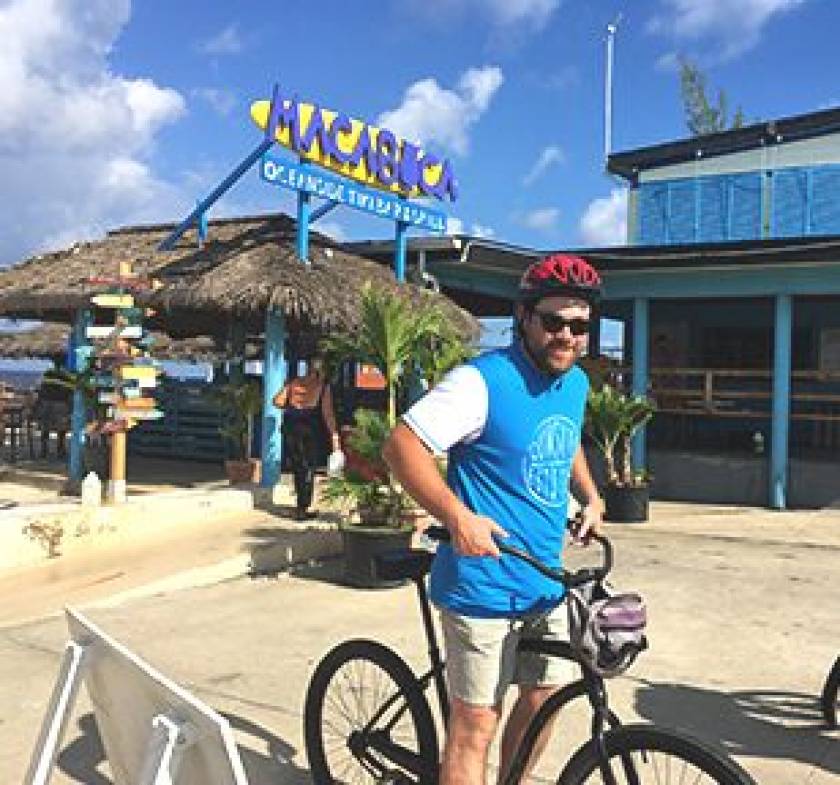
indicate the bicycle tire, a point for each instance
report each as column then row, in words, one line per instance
column 629, row 742
column 828, row 698
column 342, row 665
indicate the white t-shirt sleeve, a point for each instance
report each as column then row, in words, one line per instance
column 453, row 411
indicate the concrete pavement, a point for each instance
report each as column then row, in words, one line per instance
column 743, row 606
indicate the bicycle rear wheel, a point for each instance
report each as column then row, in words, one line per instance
column 828, row 699
column 366, row 719
column 645, row 755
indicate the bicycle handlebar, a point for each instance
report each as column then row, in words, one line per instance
column 568, row 579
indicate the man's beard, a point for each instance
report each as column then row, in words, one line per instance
column 540, row 356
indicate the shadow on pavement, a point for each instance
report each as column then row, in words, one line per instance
column 763, row 724
column 80, row 760
column 275, row 765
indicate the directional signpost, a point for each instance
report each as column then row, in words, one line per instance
column 124, row 373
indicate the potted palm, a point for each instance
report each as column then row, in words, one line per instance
column 241, row 403
column 612, row 419
column 395, row 337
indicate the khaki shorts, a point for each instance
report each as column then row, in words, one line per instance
column 482, row 660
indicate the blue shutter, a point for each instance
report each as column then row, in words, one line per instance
column 745, row 212
column 653, row 210
column 790, row 201
column 825, row 204
column 682, row 211
column 714, row 209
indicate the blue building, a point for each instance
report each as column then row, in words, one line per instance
column 729, row 293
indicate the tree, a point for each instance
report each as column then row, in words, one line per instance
column 700, row 115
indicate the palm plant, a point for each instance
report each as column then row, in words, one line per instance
column 241, row 402
column 392, row 333
column 612, row 418
column 400, row 340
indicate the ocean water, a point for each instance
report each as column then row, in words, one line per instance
column 26, row 374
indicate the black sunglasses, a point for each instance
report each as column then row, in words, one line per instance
column 554, row 323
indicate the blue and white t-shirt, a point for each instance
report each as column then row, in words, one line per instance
column 512, row 433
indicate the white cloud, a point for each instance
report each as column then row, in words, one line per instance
column 333, row 230
column 226, row 42
column 733, row 26
column 92, row 173
column 454, row 225
column 512, row 16
column 222, row 102
column 550, row 156
column 533, row 14
column 479, row 230
column 604, row 222
column 543, row 220
column 430, row 113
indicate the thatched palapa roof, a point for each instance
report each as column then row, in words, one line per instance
column 50, row 341
column 245, row 266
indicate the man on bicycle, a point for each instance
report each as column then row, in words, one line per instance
column 510, row 421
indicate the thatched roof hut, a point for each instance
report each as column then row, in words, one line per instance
column 50, row 341
column 245, row 266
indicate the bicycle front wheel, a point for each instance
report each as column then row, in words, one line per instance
column 645, row 755
column 828, row 699
column 367, row 720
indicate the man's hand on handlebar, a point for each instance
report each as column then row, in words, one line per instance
column 472, row 535
column 587, row 522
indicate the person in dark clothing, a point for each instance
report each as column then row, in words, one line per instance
column 308, row 409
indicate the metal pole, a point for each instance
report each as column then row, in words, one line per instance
column 400, row 251
column 303, row 210
column 608, row 88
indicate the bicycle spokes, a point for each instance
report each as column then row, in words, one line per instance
column 368, row 736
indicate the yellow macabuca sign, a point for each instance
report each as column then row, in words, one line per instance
column 352, row 148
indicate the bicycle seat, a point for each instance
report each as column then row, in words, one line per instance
column 399, row 564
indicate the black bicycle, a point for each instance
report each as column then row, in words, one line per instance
column 828, row 698
column 367, row 719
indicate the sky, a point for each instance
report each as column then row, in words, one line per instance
column 116, row 113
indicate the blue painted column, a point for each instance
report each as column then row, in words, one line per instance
column 78, row 360
column 400, row 250
column 304, row 207
column 640, row 371
column 274, row 377
column 595, row 334
column 781, row 402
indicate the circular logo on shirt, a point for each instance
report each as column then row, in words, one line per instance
column 548, row 460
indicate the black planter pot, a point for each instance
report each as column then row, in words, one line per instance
column 626, row 505
column 361, row 545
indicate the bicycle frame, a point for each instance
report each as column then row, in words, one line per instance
column 590, row 685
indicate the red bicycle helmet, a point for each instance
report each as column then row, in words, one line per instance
column 561, row 274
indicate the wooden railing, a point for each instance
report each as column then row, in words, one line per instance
column 729, row 393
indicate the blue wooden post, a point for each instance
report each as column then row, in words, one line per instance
column 640, row 370
column 595, row 334
column 303, row 210
column 781, row 403
column 78, row 361
column 400, row 250
column 274, row 377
